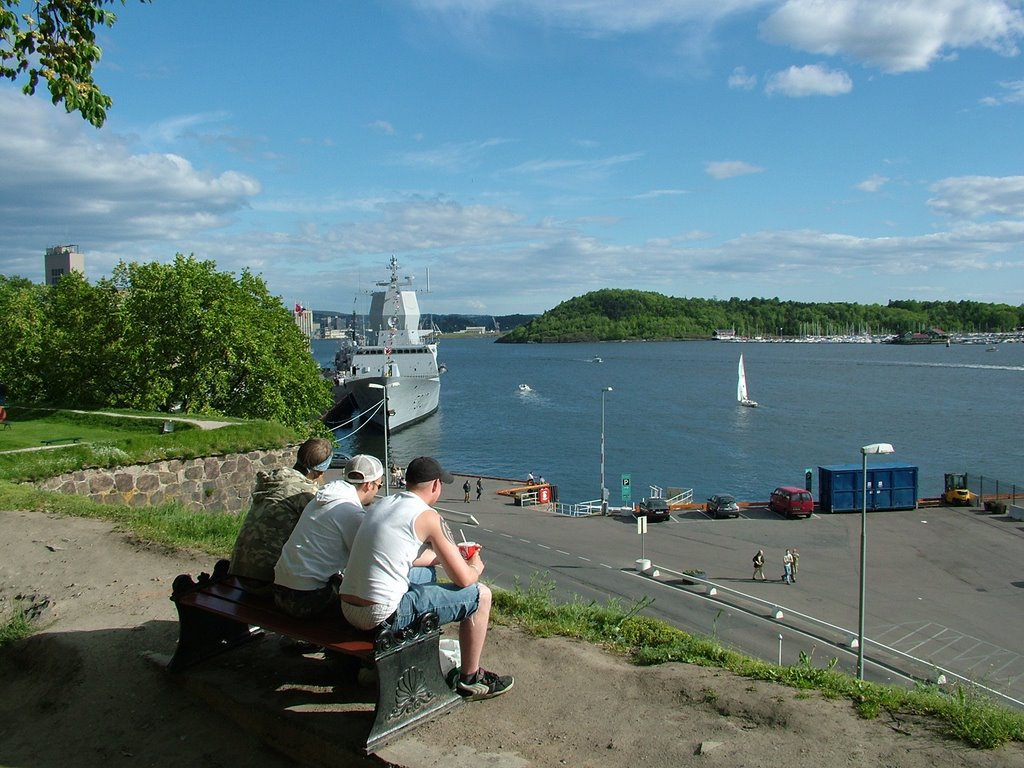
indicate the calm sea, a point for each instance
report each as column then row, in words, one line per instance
column 671, row 419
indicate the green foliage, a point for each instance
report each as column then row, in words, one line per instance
column 613, row 314
column 157, row 336
column 15, row 627
column 56, row 40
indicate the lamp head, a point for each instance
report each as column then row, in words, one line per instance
column 606, row 389
column 878, row 448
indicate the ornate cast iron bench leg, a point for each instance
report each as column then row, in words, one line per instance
column 410, row 686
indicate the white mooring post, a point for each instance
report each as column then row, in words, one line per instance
column 643, row 564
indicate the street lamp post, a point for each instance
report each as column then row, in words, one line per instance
column 604, row 491
column 387, row 414
column 874, row 448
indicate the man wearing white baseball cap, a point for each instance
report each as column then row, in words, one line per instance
column 383, row 584
column 308, row 573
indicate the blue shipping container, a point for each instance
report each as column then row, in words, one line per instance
column 890, row 486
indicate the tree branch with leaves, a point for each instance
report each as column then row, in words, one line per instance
column 55, row 41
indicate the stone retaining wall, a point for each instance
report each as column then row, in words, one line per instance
column 212, row 483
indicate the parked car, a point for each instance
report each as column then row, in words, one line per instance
column 338, row 459
column 790, row 501
column 653, row 509
column 723, row 505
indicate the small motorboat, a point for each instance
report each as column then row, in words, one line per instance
column 525, row 388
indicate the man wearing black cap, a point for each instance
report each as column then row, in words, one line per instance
column 383, row 585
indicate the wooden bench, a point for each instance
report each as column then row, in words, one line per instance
column 53, row 440
column 215, row 614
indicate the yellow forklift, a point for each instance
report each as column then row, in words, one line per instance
column 957, row 492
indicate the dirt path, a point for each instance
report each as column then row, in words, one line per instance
column 80, row 692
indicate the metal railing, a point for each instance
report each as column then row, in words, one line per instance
column 990, row 488
column 581, row 509
column 926, row 670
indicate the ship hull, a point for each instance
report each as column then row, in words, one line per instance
column 410, row 399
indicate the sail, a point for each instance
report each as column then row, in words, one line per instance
column 741, row 384
column 742, row 397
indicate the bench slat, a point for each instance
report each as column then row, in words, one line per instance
column 333, row 633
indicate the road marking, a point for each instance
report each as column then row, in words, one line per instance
column 581, row 557
column 563, row 552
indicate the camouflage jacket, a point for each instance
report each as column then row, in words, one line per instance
column 277, row 501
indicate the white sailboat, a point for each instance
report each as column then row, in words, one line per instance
column 742, row 396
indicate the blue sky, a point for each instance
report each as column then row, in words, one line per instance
column 528, row 151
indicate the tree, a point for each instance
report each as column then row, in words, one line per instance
column 81, row 347
column 56, row 40
column 213, row 344
column 22, row 319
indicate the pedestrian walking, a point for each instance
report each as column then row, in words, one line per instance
column 465, row 491
column 759, row 566
column 479, row 488
column 787, row 567
column 796, row 562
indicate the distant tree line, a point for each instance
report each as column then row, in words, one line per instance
column 155, row 337
column 614, row 314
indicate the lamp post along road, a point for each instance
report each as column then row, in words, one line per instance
column 387, row 414
column 604, row 490
column 874, row 448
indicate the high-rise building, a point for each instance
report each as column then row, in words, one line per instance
column 60, row 260
column 304, row 319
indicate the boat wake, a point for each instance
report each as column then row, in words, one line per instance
column 971, row 366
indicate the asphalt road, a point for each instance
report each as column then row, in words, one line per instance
column 945, row 586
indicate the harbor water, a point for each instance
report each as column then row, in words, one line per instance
column 672, row 421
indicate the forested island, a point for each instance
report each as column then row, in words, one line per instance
column 619, row 314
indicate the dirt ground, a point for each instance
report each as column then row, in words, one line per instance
column 85, row 690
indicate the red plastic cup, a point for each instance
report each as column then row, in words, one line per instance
column 468, row 549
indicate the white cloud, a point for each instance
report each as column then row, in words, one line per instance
column 57, row 168
column 1013, row 93
column 873, row 183
column 810, row 80
column 728, row 169
column 449, row 157
column 655, row 193
column 382, row 126
column 740, row 80
column 596, row 16
column 896, row 35
column 600, row 164
column 971, row 197
column 401, row 226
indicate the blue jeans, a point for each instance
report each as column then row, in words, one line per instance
column 449, row 602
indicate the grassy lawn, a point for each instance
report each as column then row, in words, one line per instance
column 31, row 426
column 108, row 441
